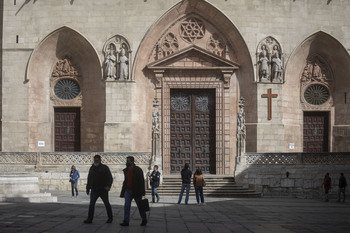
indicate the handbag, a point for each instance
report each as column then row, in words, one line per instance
column 144, row 205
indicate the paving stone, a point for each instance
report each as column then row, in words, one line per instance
column 280, row 215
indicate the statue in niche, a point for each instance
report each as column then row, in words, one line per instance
column 277, row 68
column 110, row 64
column 117, row 59
column 269, row 61
column 123, row 65
column 156, row 120
column 264, row 64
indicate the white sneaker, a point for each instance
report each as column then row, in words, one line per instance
column 203, row 203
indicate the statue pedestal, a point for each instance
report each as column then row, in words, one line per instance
column 22, row 188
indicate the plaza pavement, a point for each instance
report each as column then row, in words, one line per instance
column 220, row 215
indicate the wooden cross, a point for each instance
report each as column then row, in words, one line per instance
column 269, row 95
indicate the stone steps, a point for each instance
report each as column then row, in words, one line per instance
column 216, row 186
column 32, row 198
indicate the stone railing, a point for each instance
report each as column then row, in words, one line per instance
column 342, row 158
column 64, row 158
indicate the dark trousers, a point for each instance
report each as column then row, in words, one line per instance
column 94, row 195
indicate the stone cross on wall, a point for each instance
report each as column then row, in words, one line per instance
column 269, row 95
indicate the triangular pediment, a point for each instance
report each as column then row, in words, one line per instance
column 193, row 57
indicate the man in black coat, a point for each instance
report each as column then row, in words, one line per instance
column 342, row 185
column 99, row 181
column 133, row 188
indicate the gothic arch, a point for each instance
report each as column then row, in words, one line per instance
column 326, row 50
column 61, row 44
column 224, row 38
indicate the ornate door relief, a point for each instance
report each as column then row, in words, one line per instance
column 316, row 84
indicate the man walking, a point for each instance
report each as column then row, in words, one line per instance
column 133, row 188
column 99, row 181
column 342, row 186
column 186, row 183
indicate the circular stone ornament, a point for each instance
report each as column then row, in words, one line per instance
column 67, row 89
column 316, row 94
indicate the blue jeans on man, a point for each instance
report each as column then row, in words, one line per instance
column 94, row 195
column 154, row 194
column 183, row 187
column 128, row 199
column 199, row 192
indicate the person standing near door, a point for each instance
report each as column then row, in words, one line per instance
column 99, row 181
column 154, row 182
column 186, row 175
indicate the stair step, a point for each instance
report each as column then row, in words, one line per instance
column 217, row 186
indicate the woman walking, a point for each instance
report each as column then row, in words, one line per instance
column 199, row 183
column 74, row 176
column 154, row 182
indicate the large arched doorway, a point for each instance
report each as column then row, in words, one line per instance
column 321, row 122
column 66, row 94
column 187, row 55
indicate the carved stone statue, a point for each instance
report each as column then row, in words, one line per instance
column 110, row 65
column 123, row 65
column 264, row 64
column 269, row 61
column 117, row 54
column 241, row 130
column 277, row 68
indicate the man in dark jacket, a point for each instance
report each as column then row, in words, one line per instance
column 342, row 186
column 99, row 181
column 133, row 188
column 186, row 183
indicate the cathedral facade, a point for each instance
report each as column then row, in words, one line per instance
column 190, row 81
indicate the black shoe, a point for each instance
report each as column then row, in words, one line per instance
column 143, row 223
column 124, row 224
column 88, row 221
column 110, row 220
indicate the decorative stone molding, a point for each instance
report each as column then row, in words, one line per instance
column 216, row 46
column 316, row 84
column 269, row 61
column 192, row 29
column 117, row 63
column 297, row 158
column 66, row 84
column 69, row 158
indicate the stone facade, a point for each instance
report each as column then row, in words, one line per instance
column 195, row 44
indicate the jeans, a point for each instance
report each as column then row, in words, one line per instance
column 199, row 192
column 94, row 195
column 127, row 205
column 154, row 193
column 188, row 187
column 340, row 191
column 74, row 186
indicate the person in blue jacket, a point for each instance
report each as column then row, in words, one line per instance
column 74, row 176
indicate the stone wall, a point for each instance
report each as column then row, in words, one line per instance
column 292, row 174
column 53, row 169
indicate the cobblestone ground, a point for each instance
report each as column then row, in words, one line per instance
column 219, row 215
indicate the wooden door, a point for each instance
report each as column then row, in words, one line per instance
column 67, row 129
column 316, row 131
column 192, row 129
